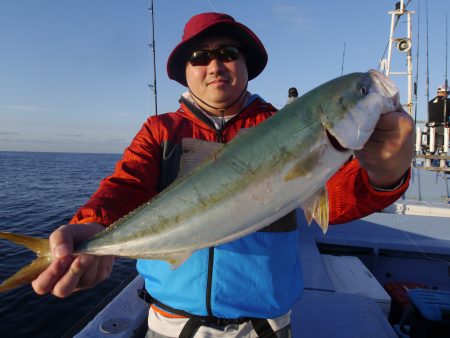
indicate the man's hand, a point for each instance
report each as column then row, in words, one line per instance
column 388, row 153
column 68, row 273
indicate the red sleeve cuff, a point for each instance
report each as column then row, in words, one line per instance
column 400, row 188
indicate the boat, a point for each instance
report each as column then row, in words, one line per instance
column 366, row 278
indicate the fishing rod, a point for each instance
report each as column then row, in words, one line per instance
column 212, row 6
column 417, row 62
column 343, row 58
column 153, row 48
column 446, row 82
column 428, row 64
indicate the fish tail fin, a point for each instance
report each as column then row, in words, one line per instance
column 28, row 273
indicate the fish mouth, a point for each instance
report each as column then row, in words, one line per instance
column 335, row 143
column 386, row 87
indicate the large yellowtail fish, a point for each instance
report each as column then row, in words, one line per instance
column 260, row 176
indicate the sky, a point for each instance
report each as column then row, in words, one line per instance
column 74, row 75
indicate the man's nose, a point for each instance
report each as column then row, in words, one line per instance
column 215, row 66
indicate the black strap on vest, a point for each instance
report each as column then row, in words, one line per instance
column 260, row 325
column 263, row 328
column 190, row 328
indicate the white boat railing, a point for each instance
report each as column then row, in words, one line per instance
column 434, row 154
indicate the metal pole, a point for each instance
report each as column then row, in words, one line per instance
column 391, row 37
column 443, row 163
column 446, row 141
column 432, row 139
column 409, row 62
column 418, row 140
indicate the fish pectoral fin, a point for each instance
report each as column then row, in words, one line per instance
column 316, row 208
column 194, row 152
column 175, row 260
column 28, row 273
column 306, row 165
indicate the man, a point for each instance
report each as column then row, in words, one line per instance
column 438, row 106
column 438, row 115
column 292, row 94
column 228, row 290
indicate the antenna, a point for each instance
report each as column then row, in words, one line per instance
column 153, row 48
column 343, row 58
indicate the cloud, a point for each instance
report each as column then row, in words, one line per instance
column 70, row 135
column 117, row 140
column 8, row 133
column 45, row 144
column 23, row 108
column 118, row 113
column 294, row 15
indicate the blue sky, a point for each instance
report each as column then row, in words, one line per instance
column 74, row 74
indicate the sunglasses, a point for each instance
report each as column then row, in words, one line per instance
column 223, row 54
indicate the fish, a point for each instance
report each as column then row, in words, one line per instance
column 227, row 191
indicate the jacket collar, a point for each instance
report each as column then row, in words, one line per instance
column 189, row 109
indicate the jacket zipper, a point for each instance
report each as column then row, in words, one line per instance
column 219, row 135
column 211, row 250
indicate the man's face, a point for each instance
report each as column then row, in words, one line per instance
column 219, row 83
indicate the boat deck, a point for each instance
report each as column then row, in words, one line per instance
column 344, row 271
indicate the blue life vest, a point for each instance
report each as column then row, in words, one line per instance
column 258, row 276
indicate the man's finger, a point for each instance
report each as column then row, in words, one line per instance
column 61, row 241
column 90, row 275
column 46, row 281
column 71, row 279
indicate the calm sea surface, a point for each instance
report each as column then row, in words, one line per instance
column 39, row 192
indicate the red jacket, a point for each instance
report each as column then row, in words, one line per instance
column 147, row 167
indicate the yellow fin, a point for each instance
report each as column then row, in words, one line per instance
column 316, row 208
column 194, row 152
column 28, row 273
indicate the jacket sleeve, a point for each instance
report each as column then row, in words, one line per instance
column 133, row 182
column 351, row 196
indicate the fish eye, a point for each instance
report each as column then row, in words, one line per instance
column 364, row 91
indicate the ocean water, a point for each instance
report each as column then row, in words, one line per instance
column 38, row 193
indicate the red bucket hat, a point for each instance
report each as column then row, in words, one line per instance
column 202, row 24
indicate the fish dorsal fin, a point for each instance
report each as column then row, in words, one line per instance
column 194, row 152
column 316, row 207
